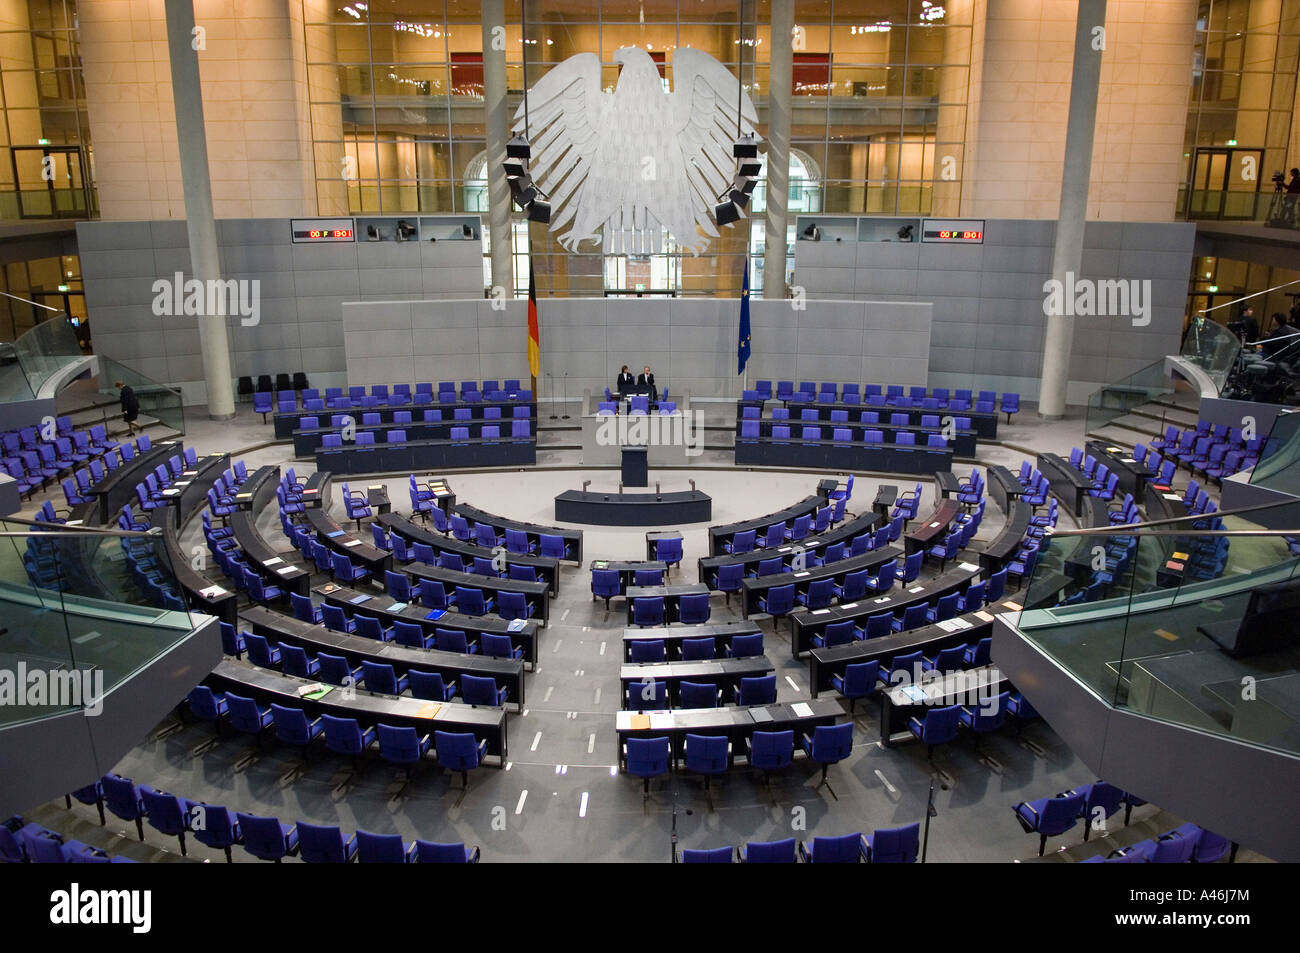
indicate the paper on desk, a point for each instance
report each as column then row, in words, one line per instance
column 352, row 542
column 661, row 720
column 272, row 561
column 969, row 567
column 802, row 709
column 287, row 570
column 954, row 625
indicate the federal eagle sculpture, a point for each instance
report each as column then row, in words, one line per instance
column 635, row 161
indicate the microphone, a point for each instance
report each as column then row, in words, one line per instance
column 565, row 416
column 551, row 388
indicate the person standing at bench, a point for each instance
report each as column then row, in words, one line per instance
column 645, row 384
column 626, row 382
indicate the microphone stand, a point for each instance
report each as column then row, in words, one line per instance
column 550, row 384
column 566, row 396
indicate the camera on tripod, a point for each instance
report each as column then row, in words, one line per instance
column 1279, row 181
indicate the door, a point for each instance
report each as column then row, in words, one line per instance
column 51, row 181
column 1224, row 183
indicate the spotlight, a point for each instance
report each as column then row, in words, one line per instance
column 905, row 233
column 515, row 168
column 539, row 211
column 467, row 231
column 372, row 233
column 739, row 197
column 518, row 148
column 750, row 168
column 523, row 190
column 746, row 147
column 405, row 230
column 726, row 213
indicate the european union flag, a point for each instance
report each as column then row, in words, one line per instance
column 742, row 344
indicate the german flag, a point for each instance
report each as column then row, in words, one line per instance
column 534, row 329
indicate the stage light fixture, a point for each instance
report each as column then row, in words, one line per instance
column 726, row 213
column 746, row 147
column 517, row 148
column 539, row 211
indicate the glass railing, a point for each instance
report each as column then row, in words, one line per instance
column 1120, row 398
column 1279, row 460
column 1275, row 209
column 159, row 401
column 1190, row 620
column 38, row 354
column 1212, row 347
column 81, row 611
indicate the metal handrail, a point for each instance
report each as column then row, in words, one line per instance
column 152, row 532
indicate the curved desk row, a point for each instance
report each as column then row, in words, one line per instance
column 117, row 488
column 962, row 443
column 673, row 636
column 833, row 455
column 509, row 673
column 807, row 623
column 759, row 587
column 984, row 424
column 534, row 531
column 1068, row 485
column 805, row 507
column 725, row 673
column 339, row 540
column 1003, row 546
column 546, row 567
column 845, row 533
column 634, row 509
column 419, row 455
column 267, row 687
column 307, row 442
column 736, row 724
column 388, row 610
column 1004, row 486
column 201, row 593
column 536, row 592
column 286, row 423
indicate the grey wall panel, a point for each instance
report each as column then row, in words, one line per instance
column 302, row 290
column 989, row 297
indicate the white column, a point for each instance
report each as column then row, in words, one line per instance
column 779, row 80
column 497, row 124
column 205, row 261
column 1067, row 257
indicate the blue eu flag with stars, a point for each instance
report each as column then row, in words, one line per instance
column 742, row 344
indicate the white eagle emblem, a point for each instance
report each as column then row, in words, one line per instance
column 639, row 159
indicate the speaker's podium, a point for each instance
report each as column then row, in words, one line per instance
column 636, row 469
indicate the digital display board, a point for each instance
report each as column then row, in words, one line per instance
column 323, row 230
column 958, row 231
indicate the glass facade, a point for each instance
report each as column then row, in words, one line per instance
column 1242, row 105
column 878, row 91
column 48, row 169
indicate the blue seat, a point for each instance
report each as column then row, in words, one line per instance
column 778, row 602
column 266, row 838
column 769, row 852
column 647, row 695
column 829, row 744
column 383, row 849
column 247, row 716
column 770, row 750
column 371, row 628
column 472, row 601
column 292, row 726
column 939, row 726
column 167, row 814
column 669, row 550
column 749, row 645
column 818, row 595
column 858, row 681
column 514, row 605
column 846, row 849
column 220, row 829
column 454, row 640
column 893, row 845
column 334, row 670
column 1049, row 816
column 742, row 542
column 648, row 650
column 482, row 690
column 699, row 695
column 380, row 677
column 499, row 646
column 646, row 758
column 1100, row 801
column 605, row 584
column 303, row 610
column 729, row 579
column 346, row 736
column 836, row 633
column 715, row 855
column 427, row 852
column 707, row 755
column 430, row 686
column 324, row 844
column 693, row 609
column 984, row 718
column 401, row 745
column 648, row 610
column 459, row 751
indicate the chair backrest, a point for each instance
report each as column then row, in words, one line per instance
column 748, row 645
column 478, row 690
column 846, row 849
column 896, row 845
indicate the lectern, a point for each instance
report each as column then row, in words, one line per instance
column 636, row 470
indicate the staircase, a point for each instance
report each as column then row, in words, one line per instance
column 82, row 401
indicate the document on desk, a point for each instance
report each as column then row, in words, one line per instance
column 802, row 709
column 661, row 721
column 352, row 542
column 954, row 625
column 287, row 570
column 273, row 561
column 969, row 567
